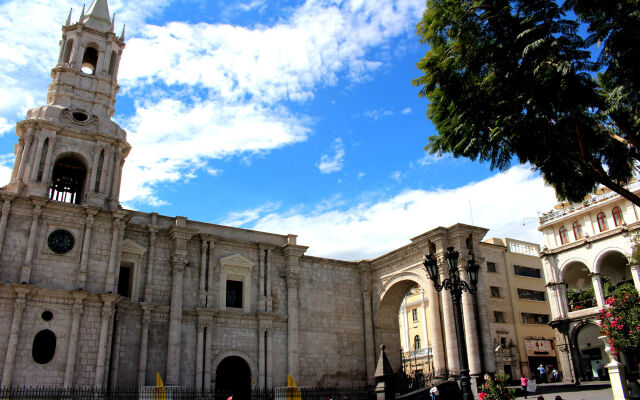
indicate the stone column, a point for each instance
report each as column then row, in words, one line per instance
column 86, row 247
column 635, row 269
column 292, row 253
column 94, row 168
column 148, row 286
column 36, row 160
column 72, row 350
column 47, row 160
column 203, row 270
column 208, row 335
column 109, row 166
column 369, row 344
column 6, row 209
column 267, row 278
column 115, row 352
column 404, row 328
column 175, row 321
column 262, row 360
column 200, row 354
column 453, row 357
column 262, row 287
column 25, row 272
column 596, row 280
column 210, row 274
column 115, row 185
column 12, row 346
column 144, row 342
column 564, row 301
column 435, row 332
column 25, row 154
column 180, row 235
column 470, row 330
column 16, row 166
column 269, row 358
column 116, row 225
column 107, row 312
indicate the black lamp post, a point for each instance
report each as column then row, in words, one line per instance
column 456, row 286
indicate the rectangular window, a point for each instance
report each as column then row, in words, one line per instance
column 414, row 314
column 495, row 291
column 530, row 318
column 124, row 279
column 234, row 294
column 498, row 316
column 491, row 267
column 526, row 294
column 527, row 271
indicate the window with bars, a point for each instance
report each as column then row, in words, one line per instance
column 531, row 318
column 495, row 291
column 498, row 316
column 491, row 267
column 527, row 271
column 527, row 294
column 414, row 314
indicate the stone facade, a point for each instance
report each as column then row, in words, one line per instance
column 92, row 294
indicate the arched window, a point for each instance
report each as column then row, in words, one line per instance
column 416, row 342
column 89, row 61
column 564, row 239
column 577, row 230
column 66, row 56
column 602, row 222
column 67, row 180
column 112, row 63
column 617, row 216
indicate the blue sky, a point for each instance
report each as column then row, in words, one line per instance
column 284, row 116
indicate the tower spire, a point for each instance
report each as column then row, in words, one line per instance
column 97, row 16
column 122, row 34
column 69, row 18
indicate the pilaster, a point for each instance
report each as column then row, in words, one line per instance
column 25, row 271
column 76, row 315
column 86, row 247
column 19, row 304
column 6, row 209
column 292, row 252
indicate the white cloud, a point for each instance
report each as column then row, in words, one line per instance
column 429, row 159
column 214, row 171
column 377, row 114
column 5, row 126
column 369, row 229
column 361, row 175
column 171, row 140
column 406, row 110
column 6, row 167
column 243, row 217
column 332, row 163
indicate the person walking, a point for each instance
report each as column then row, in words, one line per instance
column 433, row 391
column 523, row 382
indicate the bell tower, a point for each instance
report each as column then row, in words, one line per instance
column 70, row 150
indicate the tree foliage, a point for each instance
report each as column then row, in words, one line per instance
column 512, row 80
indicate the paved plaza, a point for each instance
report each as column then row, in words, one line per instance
column 590, row 391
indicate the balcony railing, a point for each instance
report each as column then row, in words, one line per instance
column 418, row 353
column 582, row 304
column 551, row 215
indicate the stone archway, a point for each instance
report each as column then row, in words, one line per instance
column 590, row 349
column 233, row 378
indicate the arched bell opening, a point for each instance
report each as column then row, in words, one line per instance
column 67, row 179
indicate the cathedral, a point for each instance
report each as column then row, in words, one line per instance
column 95, row 295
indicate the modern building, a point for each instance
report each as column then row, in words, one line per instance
column 586, row 253
column 518, row 311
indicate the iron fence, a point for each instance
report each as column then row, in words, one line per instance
column 178, row 393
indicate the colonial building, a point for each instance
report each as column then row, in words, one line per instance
column 587, row 248
column 92, row 294
column 518, row 312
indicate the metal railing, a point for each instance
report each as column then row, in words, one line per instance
column 179, row 393
column 551, row 215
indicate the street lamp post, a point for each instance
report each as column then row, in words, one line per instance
column 456, row 286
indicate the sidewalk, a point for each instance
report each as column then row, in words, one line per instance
column 584, row 391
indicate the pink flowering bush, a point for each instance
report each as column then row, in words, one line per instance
column 497, row 388
column 620, row 321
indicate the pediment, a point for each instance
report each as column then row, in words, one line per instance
column 129, row 246
column 236, row 260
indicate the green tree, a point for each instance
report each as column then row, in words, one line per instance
column 512, row 80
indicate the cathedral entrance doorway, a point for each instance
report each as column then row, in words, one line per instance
column 233, row 378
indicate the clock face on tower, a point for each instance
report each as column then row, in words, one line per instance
column 60, row 241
